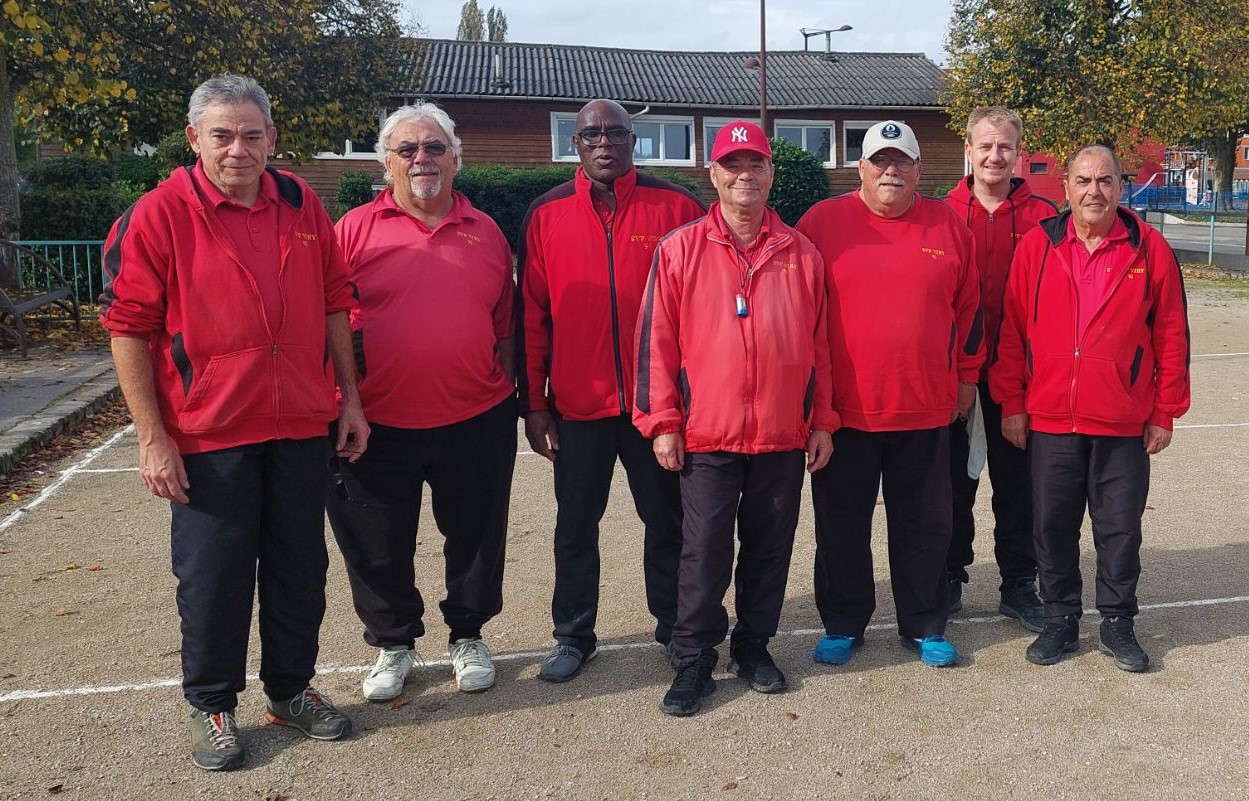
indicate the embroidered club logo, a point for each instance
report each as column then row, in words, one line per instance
column 738, row 134
column 890, row 131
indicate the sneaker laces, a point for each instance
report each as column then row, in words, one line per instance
column 316, row 701
column 687, row 678
column 393, row 661
column 471, row 654
column 222, row 731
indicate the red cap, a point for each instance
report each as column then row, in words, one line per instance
column 740, row 135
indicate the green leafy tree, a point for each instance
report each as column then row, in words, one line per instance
column 472, row 23
column 106, row 73
column 496, row 25
column 800, row 181
column 1124, row 72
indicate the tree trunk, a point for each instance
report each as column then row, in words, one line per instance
column 10, row 211
column 1223, row 149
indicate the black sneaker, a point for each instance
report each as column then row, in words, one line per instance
column 1020, row 601
column 1118, row 639
column 692, row 684
column 751, row 661
column 215, row 741
column 954, row 594
column 1061, row 635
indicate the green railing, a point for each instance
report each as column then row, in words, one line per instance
column 81, row 261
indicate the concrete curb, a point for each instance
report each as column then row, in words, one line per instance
column 41, row 428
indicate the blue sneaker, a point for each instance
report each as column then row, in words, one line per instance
column 836, row 649
column 934, row 651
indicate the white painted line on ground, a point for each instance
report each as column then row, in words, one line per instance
column 1212, row 425
column 524, row 656
column 110, row 470
column 52, row 488
column 1216, row 355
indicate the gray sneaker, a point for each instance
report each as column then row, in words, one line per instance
column 474, row 669
column 564, row 662
column 312, row 713
column 215, row 741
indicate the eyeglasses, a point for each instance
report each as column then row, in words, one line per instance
column 591, row 136
column 881, row 161
column 408, row 152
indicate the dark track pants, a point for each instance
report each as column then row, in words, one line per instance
column 1111, row 476
column 760, row 494
column 1012, row 500
column 912, row 467
column 583, row 474
column 374, row 507
column 255, row 520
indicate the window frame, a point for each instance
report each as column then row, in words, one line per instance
column 846, row 127
column 349, row 153
column 663, row 161
column 831, row 125
column 719, row 122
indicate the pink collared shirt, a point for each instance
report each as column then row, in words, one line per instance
column 1092, row 271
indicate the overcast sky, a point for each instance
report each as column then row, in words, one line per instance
column 900, row 26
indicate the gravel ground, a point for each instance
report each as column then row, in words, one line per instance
column 90, row 708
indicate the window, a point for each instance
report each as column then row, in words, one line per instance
column 1038, row 168
column 852, row 144
column 813, row 136
column 660, row 140
column 711, row 127
column 362, row 148
column 1246, row 154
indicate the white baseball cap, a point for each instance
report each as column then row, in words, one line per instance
column 890, row 133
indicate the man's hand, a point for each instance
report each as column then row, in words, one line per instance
column 819, row 450
column 161, row 468
column 541, row 432
column 1015, row 430
column 966, row 398
column 1156, row 438
column 353, row 430
column 670, row 451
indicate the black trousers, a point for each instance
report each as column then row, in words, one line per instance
column 256, row 519
column 583, row 474
column 1111, row 476
column 913, row 468
column 1012, row 500
column 759, row 493
column 374, row 507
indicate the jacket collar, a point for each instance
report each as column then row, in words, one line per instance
column 1056, row 227
column 622, row 186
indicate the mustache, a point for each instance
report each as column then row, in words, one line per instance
column 418, row 171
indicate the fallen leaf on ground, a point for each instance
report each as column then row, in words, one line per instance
column 95, row 567
column 40, row 578
column 274, row 795
column 70, row 566
column 399, row 703
column 9, row 676
column 731, row 786
column 791, row 715
column 56, row 789
column 370, row 727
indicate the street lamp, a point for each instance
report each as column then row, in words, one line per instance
column 828, row 36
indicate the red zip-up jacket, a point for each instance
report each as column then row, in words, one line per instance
column 581, row 282
column 225, row 374
column 996, row 235
column 904, row 324
column 745, row 384
column 1129, row 368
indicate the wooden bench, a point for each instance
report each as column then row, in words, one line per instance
column 28, row 282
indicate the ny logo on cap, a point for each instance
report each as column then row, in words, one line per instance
column 739, row 134
column 890, row 131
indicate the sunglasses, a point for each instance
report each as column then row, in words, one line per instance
column 591, row 136
column 881, row 161
column 408, row 152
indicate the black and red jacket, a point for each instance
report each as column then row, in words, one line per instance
column 581, row 284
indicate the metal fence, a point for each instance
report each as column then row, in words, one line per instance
column 81, row 261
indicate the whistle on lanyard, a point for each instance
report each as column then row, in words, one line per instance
column 740, row 306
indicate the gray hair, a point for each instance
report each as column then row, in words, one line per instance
column 1114, row 157
column 232, row 90
column 416, row 113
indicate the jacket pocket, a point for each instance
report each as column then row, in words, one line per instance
column 683, row 386
column 231, row 387
column 1101, row 392
column 305, row 386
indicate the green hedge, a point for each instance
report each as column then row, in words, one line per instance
column 800, row 181
column 355, row 188
column 70, row 198
column 505, row 192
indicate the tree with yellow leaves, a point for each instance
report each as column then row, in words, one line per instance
column 1124, row 72
column 108, row 73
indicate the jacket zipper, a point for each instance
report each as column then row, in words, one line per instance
column 615, row 316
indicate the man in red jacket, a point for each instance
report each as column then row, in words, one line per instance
column 999, row 208
column 434, row 333
column 586, row 249
column 733, row 385
column 1091, row 372
column 906, row 343
column 226, row 290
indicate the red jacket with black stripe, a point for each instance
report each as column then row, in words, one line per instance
column 756, row 383
column 1127, row 369
column 581, row 283
column 225, row 374
column 996, row 234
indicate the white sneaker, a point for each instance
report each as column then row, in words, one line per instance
column 474, row 669
column 391, row 671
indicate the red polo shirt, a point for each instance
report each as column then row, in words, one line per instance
column 254, row 232
column 1092, row 271
column 433, row 306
